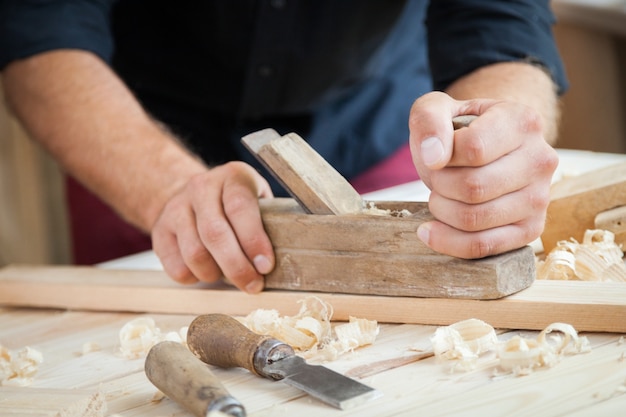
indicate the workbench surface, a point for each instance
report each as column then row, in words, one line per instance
column 413, row 382
column 590, row 384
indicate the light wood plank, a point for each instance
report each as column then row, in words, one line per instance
column 576, row 201
column 50, row 402
column 589, row 306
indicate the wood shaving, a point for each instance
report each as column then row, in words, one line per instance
column 597, row 258
column 139, row 335
column 18, row 367
column 310, row 332
column 373, row 210
column 461, row 344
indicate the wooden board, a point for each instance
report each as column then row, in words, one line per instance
column 50, row 402
column 588, row 306
column 576, row 201
column 381, row 255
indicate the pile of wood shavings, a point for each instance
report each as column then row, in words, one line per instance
column 310, row 332
column 597, row 258
column 18, row 368
column 461, row 345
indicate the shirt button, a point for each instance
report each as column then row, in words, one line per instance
column 278, row 4
column 265, row 71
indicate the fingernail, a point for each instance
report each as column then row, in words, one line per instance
column 423, row 232
column 262, row 264
column 255, row 286
column 432, row 150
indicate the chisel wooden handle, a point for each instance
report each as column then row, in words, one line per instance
column 220, row 340
column 173, row 369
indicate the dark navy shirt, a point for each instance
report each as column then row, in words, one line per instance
column 341, row 73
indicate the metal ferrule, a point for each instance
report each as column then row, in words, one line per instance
column 227, row 405
column 269, row 352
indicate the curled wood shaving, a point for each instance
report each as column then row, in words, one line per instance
column 307, row 329
column 597, row 258
column 139, row 335
column 18, row 367
column 521, row 355
column 464, row 342
column 310, row 332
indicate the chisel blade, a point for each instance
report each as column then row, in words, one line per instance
column 322, row 383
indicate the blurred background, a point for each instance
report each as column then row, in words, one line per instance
column 591, row 35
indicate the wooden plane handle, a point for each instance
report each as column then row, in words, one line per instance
column 308, row 177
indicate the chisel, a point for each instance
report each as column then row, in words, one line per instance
column 220, row 340
column 180, row 375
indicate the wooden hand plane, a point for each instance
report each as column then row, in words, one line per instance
column 328, row 239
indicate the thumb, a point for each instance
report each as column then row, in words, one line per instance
column 431, row 130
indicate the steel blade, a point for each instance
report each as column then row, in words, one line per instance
column 322, row 383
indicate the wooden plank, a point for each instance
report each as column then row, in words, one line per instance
column 50, row 402
column 381, row 255
column 576, row 201
column 588, row 306
column 317, row 186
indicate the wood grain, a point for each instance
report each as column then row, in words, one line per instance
column 575, row 202
column 180, row 375
column 588, row 306
column 381, row 255
column 50, row 402
column 308, row 178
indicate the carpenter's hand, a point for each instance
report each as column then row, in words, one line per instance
column 212, row 228
column 489, row 182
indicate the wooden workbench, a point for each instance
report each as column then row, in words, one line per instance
column 398, row 364
column 587, row 384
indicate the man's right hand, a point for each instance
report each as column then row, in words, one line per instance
column 212, row 228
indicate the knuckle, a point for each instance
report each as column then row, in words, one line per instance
column 474, row 150
column 531, row 120
column 469, row 220
column 182, row 276
column 480, row 248
column 474, row 218
column 235, row 204
column 534, row 231
column 540, row 199
column 547, row 161
column 214, row 230
column 177, row 270
column 240, row 273
column 474, row 190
